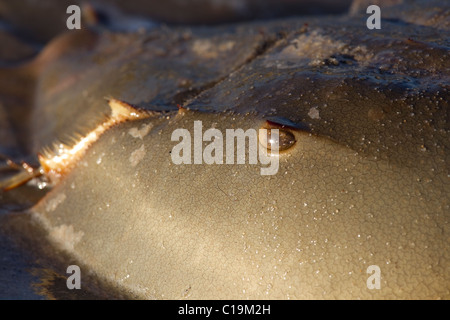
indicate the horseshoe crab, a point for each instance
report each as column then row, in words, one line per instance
column 365, row 183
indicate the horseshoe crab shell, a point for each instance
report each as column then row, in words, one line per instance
column 366, row 184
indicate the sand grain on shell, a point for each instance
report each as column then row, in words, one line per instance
column 142, row 132
column 137, row 155
column 53, row 203
column 314, row 113
column 66, row 236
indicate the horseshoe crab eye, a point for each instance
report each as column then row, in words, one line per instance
column 285, row 141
